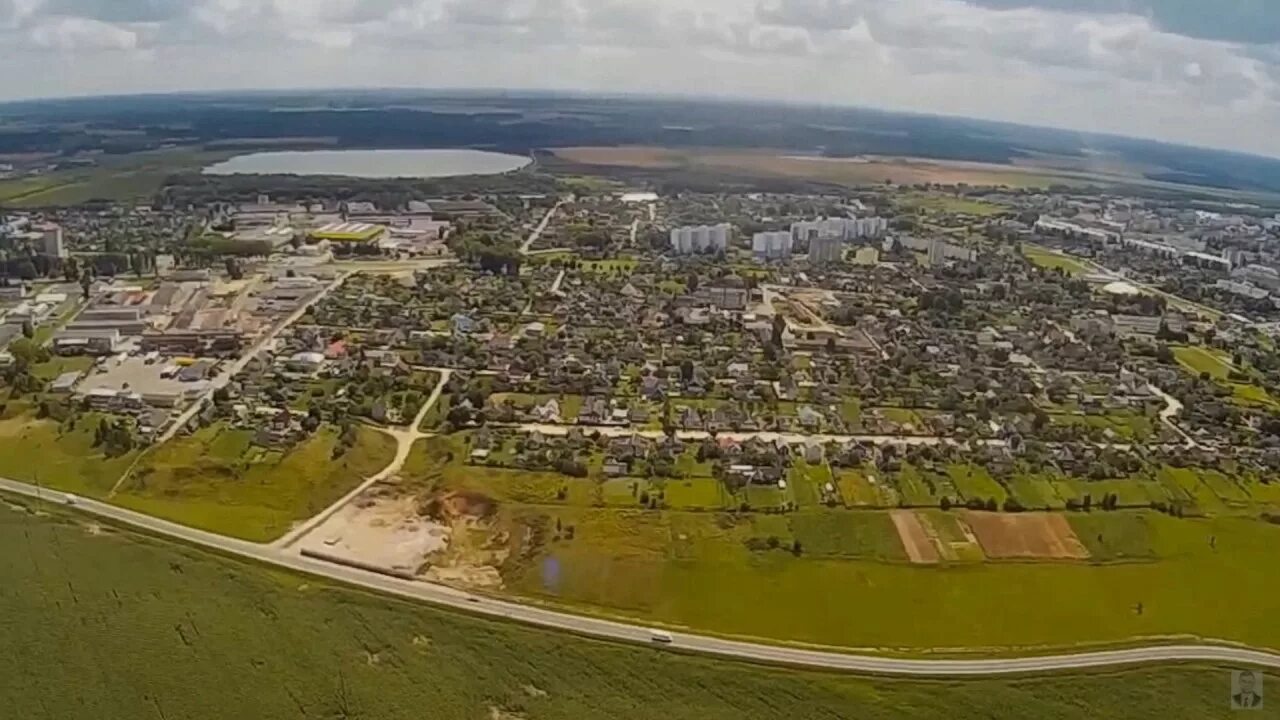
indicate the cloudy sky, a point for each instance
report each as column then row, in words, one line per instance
column 1205, row 72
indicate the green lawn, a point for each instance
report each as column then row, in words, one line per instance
column 952, row 204
column 1204, row 360
column 1116, row 535
column 58, row 456
column 974, row 483
column 838, row 533
column 858, row 490
column 215, row 480
column 1050, row 260
column 115, row 625
column 1037, row 492
column 57, row 365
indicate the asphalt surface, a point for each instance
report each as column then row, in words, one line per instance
column 612, row 630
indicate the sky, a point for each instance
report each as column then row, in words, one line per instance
column 1201, row 72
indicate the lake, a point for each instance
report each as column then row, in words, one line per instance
column 371, row 163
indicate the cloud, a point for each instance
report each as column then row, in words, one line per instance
column 1129, row 66
column 78, row 34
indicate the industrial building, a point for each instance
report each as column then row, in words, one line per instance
column 194, row 342
column 86, row 341
column 349, row 232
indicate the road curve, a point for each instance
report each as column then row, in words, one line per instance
column 613, row 630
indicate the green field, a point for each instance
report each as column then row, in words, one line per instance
column 115, row 625
column 216, row 480
column 57, row 455
column 1116, row 536
column 952, row 204
column 975, row 483
column 136, row 176
column 694, row 568
column 1054, row 261
column 1204, row 360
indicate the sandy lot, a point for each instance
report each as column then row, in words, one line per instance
column 382, row 531
column 915, row 539
column 1026, row 535
column 456, row 543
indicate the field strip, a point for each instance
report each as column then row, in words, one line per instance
column 625, row 632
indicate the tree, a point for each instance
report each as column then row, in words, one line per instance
column 233, row 269
column 686, row 370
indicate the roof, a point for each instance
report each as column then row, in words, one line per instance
column 348, row 232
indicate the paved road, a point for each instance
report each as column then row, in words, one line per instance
column 234, row 368
column 542, row 227
column 612, row 630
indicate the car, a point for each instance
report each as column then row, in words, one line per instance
column 70, row 499
column 661, row 636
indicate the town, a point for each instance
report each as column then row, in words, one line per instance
column 462, row 389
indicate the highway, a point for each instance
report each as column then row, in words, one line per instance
column 619, row 631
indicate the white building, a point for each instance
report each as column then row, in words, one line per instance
column 937, row 252
column 844, row 228
column 1259, row 275
column 772, row 245
column 1108, row 232
column 700, row 239
column 825, row 249
column 51, row 242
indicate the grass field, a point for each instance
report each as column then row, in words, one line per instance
column 1050, row 260
column 118, row 178
column 119, row 626
column 216, row 480
column 951, row 204
column 58, row 456
column 695, row 568
column 1115, row 536
column 1204, row 360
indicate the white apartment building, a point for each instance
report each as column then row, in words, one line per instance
column 772, row 245
column 825, row 249
column 700, row 239
column 845, row 228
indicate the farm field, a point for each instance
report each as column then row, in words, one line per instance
column 123, row 177
column 115, row 625
column 691, row 568
column 783, row 163
column 216, row 480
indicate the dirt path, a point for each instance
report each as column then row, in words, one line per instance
column 405, row 438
